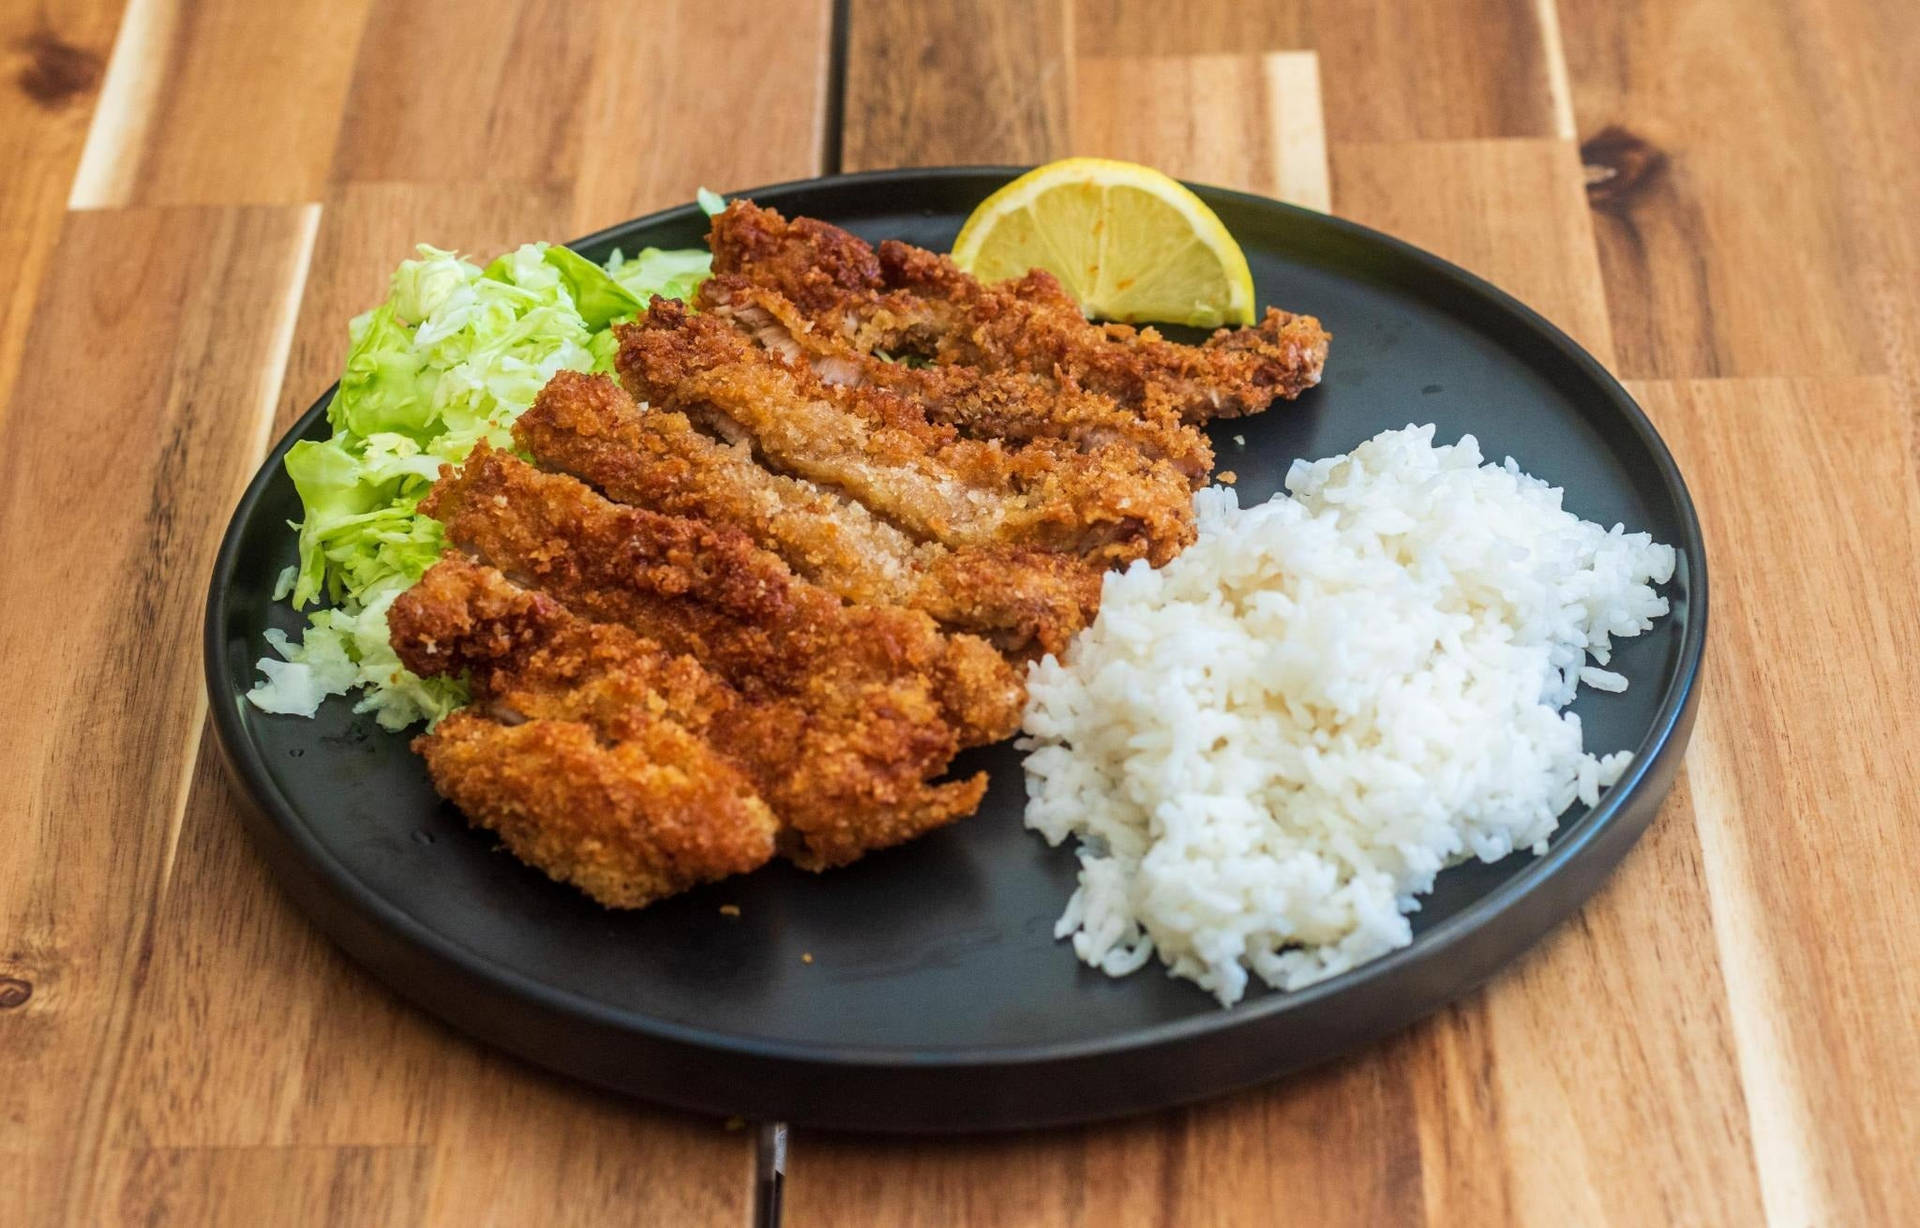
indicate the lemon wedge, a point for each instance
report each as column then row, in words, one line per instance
column 1128, row 243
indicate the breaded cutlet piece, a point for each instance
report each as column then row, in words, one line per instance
column 1031, row 324
column 1016, row 406
column 904, row 300
column 838, row 783
column 627, row 823
column 708, row 592
column 1110, row 504
column 1021, row 600
column 819, row 266
column 630, row 810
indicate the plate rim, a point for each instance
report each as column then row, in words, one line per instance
column 244, row 760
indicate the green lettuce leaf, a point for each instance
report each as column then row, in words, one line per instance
column 667, row 273
column 388, row 384
column 601, row 298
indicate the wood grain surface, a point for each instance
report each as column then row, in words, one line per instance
column 1719, row 199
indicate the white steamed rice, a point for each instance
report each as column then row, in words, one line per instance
column 1268, row 748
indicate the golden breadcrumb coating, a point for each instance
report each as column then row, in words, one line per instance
column 1110, row 503
column 710, row 593
column 833, row 781
column 1021, row 600
column 1012, row 405
column 904, row 300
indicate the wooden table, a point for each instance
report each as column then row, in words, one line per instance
column 1718, row 197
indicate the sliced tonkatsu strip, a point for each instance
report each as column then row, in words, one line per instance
column 590, row 748
column 627, row 823
column 629, row 805
column 1031, row 324
column 906, row 300
column 819, row 266
column 1012, row 405
column 1110, row 504
column 1020, row 600
column 710, row 593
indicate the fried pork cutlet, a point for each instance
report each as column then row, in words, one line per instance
column 821, row 267
column 625, row 801
column 1021, row 600
column 592, row 749
column 1012, row 405
column 906, row 300
column 710, row 593
column 1110, row 504
column 630, row 823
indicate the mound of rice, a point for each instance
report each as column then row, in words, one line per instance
column 1270, row 747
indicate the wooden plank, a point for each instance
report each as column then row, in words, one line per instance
column 1394, row 71
column 1512, row 211
column 1865, row 57
column 1391, row 71
column 671, row 79
column 440, row 95
column 1725, row 189
column 241, row 1187
column 130, row 430
column 220, row 102
column 974, row 81
column 1530, row 1102
column 1402, row 70
column 46, row 99
column 1242, row 121
column 250, row 1030
column 1250, row 1159
column 1189, row 27
column 515, row 1148
column 611, row 101
column 1810, row 819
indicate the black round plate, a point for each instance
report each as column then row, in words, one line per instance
column 922, row 989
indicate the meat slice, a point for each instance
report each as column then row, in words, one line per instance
column 628, row 802
column 1110, row 504
column 907, row 300
column 1031, row 324
column 708, row 592
column 1021, row 600
column 817, row 265
column 627, row 823
column 592, row 750
column 1016, row 406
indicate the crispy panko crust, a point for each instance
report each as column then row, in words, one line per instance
column 1012, row 405
column 641, row 737
column 1021, row 600
column 710, row 593
column 1111, row 504
column 618, row 798
column 628, row 823
column 1031, row 324
column 906, row 300
column 817, row 265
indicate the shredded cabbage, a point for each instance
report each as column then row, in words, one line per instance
column 452, row 357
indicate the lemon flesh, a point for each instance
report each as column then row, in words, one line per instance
column 1126, row 241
